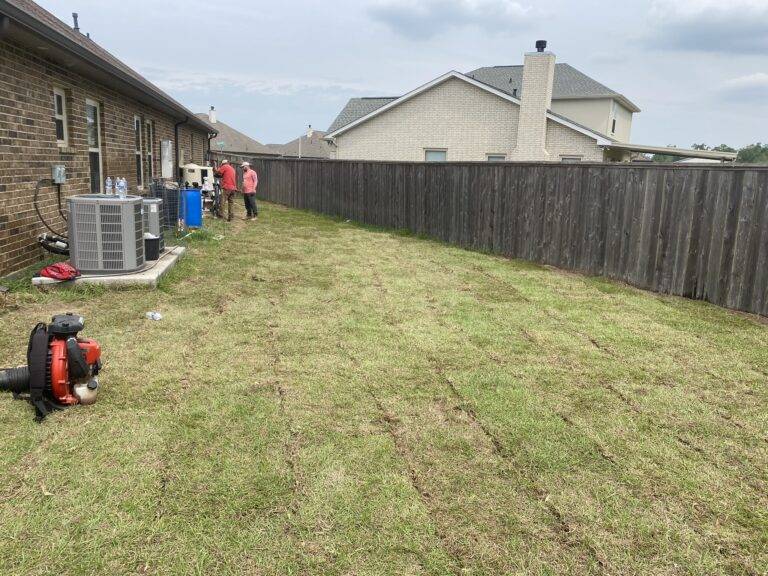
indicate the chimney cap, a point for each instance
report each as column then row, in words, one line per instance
column 541, row 45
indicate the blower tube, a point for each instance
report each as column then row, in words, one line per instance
column 14, row 380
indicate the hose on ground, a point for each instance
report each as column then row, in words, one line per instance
column 14, row 379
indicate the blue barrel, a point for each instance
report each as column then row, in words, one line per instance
column 192, row 207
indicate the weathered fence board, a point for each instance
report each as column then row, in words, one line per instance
column 694, row 231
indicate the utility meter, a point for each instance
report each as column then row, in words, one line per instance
column 59, row 174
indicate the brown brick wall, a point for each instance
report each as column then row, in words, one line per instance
column 28, row 145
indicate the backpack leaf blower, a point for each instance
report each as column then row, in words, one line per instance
column 62, row 369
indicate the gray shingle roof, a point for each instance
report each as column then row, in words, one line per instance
column 314, row 147
column 569, row 82
column 357, row 108
column 235, row 141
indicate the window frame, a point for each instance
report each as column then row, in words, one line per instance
column 95, row 149
column 444, row 151
column 497, row 157
column 138, row 145
column 63, row 117
column 149, row 155
column 571, row 158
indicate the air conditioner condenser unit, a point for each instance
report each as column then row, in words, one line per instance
column 106, row 233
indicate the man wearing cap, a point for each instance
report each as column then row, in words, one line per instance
column 228, row 186
column 250, row 181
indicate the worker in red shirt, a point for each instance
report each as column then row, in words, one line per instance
column 228, row 186
column 250, row 181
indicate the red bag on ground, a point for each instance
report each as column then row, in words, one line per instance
column 60, row 271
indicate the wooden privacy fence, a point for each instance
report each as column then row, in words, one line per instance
column 696, row 231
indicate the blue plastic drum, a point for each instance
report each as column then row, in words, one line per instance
column 192, row 207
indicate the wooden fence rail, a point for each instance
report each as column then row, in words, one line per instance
column 699, row 231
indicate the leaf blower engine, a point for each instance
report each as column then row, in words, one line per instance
column 62, row 369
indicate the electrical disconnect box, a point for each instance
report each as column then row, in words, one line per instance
column 59, row 174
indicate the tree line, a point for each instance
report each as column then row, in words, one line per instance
column 752, row 154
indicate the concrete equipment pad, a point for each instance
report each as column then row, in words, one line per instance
column 149, row 276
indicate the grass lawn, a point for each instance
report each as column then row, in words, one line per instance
column 324, row 398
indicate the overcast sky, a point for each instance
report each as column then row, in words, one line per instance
column 698, row 69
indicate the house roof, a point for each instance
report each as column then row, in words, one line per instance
column 389, row 103
column 569, row 83
column 357, row 108
column 30, row 23
column 314, row 147
column 230, row 140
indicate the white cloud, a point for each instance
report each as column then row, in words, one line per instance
column 429, row 18
column 201, row 81
column 753, row 87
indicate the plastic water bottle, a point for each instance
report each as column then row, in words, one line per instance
column 122, row 187
column 108, row 185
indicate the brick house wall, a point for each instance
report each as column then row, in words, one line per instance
column 28, row 145
column 463, row 119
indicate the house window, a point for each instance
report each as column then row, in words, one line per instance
column 614, row 112
column 60, row 117
column 93, row 135
column 613, row 126
column 496, row 157
column 570, row 159
column 149, row 143
column 435, row 155
column 138, row 149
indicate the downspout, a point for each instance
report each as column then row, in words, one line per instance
column 176, row 145
column 211, row 136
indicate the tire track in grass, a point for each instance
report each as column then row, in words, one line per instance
column 567, row 327
column 562, row 530
column 724, row 548
column 606, row 349
column 291, row 448
column 390, row 424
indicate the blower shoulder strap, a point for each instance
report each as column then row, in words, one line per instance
column 37, row 358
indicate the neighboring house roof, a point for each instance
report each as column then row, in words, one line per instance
column 357, row 108
column 391, row 103
column 569, row 83
column 234, row 141
column 29, row 17
column 314, row 147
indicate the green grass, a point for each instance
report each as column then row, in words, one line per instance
column 323, row 398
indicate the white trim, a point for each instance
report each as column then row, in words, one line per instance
column 601, row 140
column 64, row 142
column 149, row 135
column 140, row 151
column 97, row 149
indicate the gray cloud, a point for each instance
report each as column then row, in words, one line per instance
column 724, row 26
column 429, row 18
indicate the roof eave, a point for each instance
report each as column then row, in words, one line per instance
column 60, row 41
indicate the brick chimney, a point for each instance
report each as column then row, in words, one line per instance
column 538, row 78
